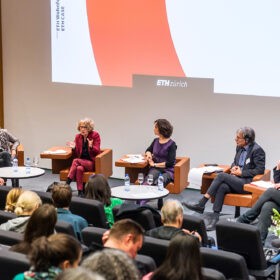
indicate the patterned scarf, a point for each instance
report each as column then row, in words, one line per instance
column 49, row 275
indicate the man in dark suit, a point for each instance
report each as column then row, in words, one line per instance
column 249, row 161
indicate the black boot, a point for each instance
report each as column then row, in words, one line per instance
column 80, row 194
column 68, row 181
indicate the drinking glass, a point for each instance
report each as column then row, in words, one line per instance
column 150, row 179
column 140, row 178
column 35, row 161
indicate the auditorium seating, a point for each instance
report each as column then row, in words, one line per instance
column 103, row 165
column 245, row 240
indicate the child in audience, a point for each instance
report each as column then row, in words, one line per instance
column 98, row 188
column 27, row 203
column 12, row 198
column 51, row 255
column 41, row 223
column 182, row 261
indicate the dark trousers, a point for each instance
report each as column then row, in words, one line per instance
column 5, row 159
column 225, row 183
column 263, row 208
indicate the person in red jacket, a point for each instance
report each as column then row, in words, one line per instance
column 86, row 147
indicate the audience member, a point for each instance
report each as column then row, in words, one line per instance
column 112, row 265
column 172, row 219
column 125, row 235
column 86, row 147
column 41, row 223
column 2, row 182
column 263, row 207
column 161, row 154
column 78, row 273
column 50, row 255
column 182, row 261
column 27, row 203
column 249, row 161
column 62, row 195
column 12, row 198
column 98, row 188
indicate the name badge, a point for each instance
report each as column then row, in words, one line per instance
column 247, row 160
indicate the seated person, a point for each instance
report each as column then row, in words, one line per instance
column 12, row 198
column 161, row 154
column 125, row 235
column 41, row 223
column 6, row 151
column 249, row 161
column 49, row 256
column 172, row 219
column 182, row 261
column 27, row 203
column 263, row 207
column 85, row 148
column 78, row 273
column 112, row 264
column 98, row 188
column 61, row 196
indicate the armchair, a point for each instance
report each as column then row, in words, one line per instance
column 20, row 155
column 103, row 165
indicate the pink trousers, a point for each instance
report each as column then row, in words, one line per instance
column 78, row 167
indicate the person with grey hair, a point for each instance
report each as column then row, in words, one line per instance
column 86, row 147
column 78, row 273
column 249, row 161
column 112, row 264
column 172, row 219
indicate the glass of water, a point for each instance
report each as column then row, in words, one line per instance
column 150, row 179
column 35, row 161
column 140, row 178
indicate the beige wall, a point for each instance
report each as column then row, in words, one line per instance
column 43, row 113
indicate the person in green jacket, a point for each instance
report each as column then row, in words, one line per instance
column 98, row 188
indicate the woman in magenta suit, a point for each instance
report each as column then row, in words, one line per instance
column 85, row 148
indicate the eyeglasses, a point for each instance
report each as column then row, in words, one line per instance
column 238, row 137
column 82, row 126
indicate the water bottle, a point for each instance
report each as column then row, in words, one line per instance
column 160, row 182
column 27, row 166
column 15, row 165
column 126, row 183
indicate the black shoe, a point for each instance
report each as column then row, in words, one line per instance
column 212, row 223
column 194, row 206
column 80, row 194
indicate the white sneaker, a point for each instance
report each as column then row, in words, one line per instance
column 233, row 220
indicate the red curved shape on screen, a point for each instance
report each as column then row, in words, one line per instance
column 131, row 37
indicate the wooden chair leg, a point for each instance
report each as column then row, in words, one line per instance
column 237, row 212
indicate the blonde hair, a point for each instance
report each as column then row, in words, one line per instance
column 87, row 122
column 12, row 198
column 27, row 202
column 170, row 210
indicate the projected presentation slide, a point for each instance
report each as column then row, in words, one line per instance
column 107, row 42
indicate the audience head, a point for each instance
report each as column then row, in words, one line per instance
column 112, row 265
column 41, row 223
column 27, row 203
column 78, row 273
column 172, row 213
column 98, row 188
column 86, row 123
column 127, row 236
column 58, row 250
column 164, row 127
column 61, row 195
column 244, row 136
column 12, row 198
column 182, row 260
